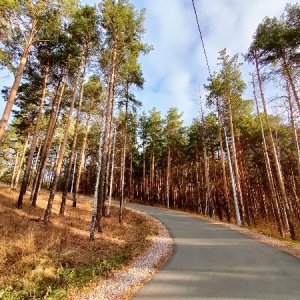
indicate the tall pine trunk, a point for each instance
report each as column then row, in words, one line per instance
column 294, row 130
column 80, row 160
column 291, row 228
column 34, row 139
column 21, row 162
column 207, row 183
column 16, row 165
column 222, row 160
column 123, row 162
column 106, row 141
column 144, row 171
column 18, row 77
column 152, row 170
column 48, row 139
column 269, row 170
column 291, row 82
column 74, row 142
column 95, row 200
column 111, row 172
column 131, row 193
column 235, row 162
column 233, row 182
column 57, row 170
column 168, row 176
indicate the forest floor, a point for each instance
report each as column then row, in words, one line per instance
column 50, row 261
column 57, row 260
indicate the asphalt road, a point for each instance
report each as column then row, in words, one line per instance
column 213, row 262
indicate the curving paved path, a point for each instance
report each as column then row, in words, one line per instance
column 213, row 262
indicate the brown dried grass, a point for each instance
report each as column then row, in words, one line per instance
column 32, row 251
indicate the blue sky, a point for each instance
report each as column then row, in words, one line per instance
column 176, row 70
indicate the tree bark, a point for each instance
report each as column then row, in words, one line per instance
column 235, row 162
column 269, row 170
column 291, row 82
column 16, row 165
column 21, row 161
column 74, row 140
column 291, row 228
column 111, row 172
column 294, row 130
column 95, row 201
column 34, row 139
column 237, row 211
column 222, row 160
column 207, row 183
column 144, row 171
column 17, row 81
column 81, row 157
column 168, row 176
column 106, row 141
column 131, row 194
column 152, row 163
column 57, row 170
column 123, row 162
column 48, row 140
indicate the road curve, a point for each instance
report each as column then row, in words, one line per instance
column 213, row 262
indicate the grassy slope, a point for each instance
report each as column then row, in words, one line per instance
column 45, row 261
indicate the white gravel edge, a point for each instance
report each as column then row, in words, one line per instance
column 124, row 283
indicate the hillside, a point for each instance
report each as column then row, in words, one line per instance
column 40, row 260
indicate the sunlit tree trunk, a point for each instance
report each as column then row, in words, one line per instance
column 95, row 200
column 168, row 176
column 109, row 161
column 198, row 185
column 80, row 160
column 21, row 162
column 294, row 130
column 122, row 169
column 233, row 182
column 291, row 228
column 13, row 92
column 123, row 162
column 207, row 181
column 131, row 193
column 144, row 171
column 34, row 168
column 222, row 160
column 48, row 139
column 235, row 162
column 34, row 139
column 16, row 164
column 74, row 141
column 291, row 82
column 57, row 170
column 112, row 175
column 106, row 140
column 152, row 170
column 268, row 168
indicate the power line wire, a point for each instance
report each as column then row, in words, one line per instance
column 201, row 37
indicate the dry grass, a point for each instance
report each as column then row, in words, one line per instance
column 44, row 261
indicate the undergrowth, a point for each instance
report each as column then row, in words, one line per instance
column 48, row 261
column 55, row 285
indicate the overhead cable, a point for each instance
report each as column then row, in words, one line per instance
column 201, row 37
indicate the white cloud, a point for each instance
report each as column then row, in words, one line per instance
column 177, row 67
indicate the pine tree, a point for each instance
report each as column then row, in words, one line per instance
column 20, row 24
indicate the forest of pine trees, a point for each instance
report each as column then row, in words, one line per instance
column 76, row 124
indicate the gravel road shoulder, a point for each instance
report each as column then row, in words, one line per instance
column 122, row 285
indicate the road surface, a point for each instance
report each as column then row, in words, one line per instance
column 213, row 262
